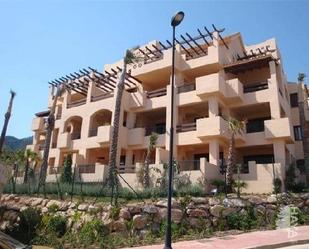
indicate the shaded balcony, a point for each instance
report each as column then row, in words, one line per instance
column 98, row 119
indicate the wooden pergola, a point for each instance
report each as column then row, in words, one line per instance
column 79, row 81
column 246, row 62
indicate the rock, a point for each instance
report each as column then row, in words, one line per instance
column 196, row 212
column 176, row 215
column 119, row 226
column 304, row 196
column 82, row 207
column 307, row 203
column 270, row 206
column 53, row 203
column 16, row 198
column 133, row 209
column 93, row 209
column 271, row 199
column 163, row 203
column 23, row 208
column 36, row 201
column 4, row 225
column 233, row 202
column 139, row 222
column 44, row 210
column 199, row 200
column 216, row 210
column 214, row 201
column 199, row 223
column 44, row 202
column 150, row 209
column 256, row 200
column 125, row 214
column 72, row 205
column 260, row 209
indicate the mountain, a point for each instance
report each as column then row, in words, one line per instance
column 13, row 143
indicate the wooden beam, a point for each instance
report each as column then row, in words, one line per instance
column 189, row 44
column 198, row 45
column 201, row 34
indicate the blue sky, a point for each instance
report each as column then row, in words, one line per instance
column 42, row 40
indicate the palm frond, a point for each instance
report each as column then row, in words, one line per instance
column 13, row 93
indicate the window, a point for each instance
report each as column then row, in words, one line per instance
column 298, row 133
column 255, row 125
column 294, row 99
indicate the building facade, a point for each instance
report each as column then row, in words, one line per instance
column 214, row 79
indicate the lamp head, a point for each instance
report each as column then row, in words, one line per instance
column 177, row 18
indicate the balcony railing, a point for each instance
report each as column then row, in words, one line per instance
column 86, row 169
column 75, row 135
column 102, row 96
column 255, row 87
column 186, row 127
column 156, row 93
column 188, row 165
column 186, row 88
column 125, row 169
column 77, row 103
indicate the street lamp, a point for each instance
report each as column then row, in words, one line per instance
column 176, row 20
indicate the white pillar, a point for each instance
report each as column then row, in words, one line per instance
column 214, row 151
column 213, row 107
column 274, row 89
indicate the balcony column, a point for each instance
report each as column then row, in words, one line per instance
column 213, row 107
column 90, row 92
column 279, row 152
column 131, row 118
column 274, row 90
column 214, row 151
column 66, row 99
column 178, row 81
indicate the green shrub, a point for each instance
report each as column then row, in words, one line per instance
column 53, row 208
column 219, row 184
column 92, row 231
column 277, row 185
column 242, row 221
column 54, row 224
column 30, row 220
column 114, row 213
column 66, row 175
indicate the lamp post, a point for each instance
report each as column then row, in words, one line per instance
column 176, row 20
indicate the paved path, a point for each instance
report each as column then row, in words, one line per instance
column 260, row 239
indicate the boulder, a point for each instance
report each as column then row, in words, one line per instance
column 119, row 226
column 36, row 202
column 150, row 209
column 213, row 201
column 163, row 203
column 125, row 214
column 177, row 215
column 199, row 223
column 196, row 212
column 307, row 202
column 63, row 206
column 271, row 199
column 216, row 210
column 133, row 209
column 235, row 202
column 53, row 203
column 199, row 200
column 256, row 200
column 139, row 222
column 82, row 207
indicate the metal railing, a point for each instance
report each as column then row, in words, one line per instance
column 77, row 103
column 75, row 135
column 255, row 87
column 102, row 96
column 186, row 88
column 186, row 127
column 154, row 129
column 55, row 170
column 86, row 168
column 189, row 165
column 156, row 93
column 125, row 169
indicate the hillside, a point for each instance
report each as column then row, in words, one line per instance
column 13, row 143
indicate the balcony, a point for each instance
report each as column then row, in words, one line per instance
column 38, row 124
column 137, row 99
column 76, row 103
column 156, row 93
column 186, row 127
column 136, row 136
column 186, row 88
column 64, row 140
column 215, row 84
column 212, row 127
column 104, row 134
column 255, row 87
column 278, row 129
column 102, row 96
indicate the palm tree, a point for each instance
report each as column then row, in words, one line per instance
column 49, row 124
column 7, row 119
column 235, row 127
column 152, row 143
column 112, row 174
column 29, row 156
column 301, row 108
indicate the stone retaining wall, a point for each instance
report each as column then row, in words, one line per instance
column 196, row 212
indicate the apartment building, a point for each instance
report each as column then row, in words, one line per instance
column 215, row 77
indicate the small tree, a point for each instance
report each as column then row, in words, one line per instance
column 151, row 146
column 66, row 175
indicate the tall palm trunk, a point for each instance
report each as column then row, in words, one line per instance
column 152, row 143
column 112, row 174
column 230, row 162
column 304, row 127
column 26, row 170
column 50, row 123
column 6, row 120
